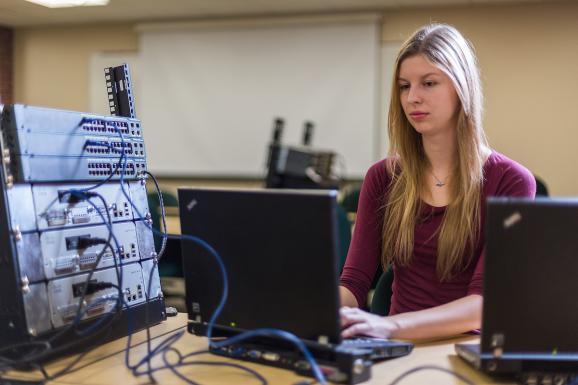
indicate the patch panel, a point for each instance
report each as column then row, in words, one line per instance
column 60, row 145
column 31, row 119
column 30, row 169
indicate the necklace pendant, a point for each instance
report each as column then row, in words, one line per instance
column 440, row 184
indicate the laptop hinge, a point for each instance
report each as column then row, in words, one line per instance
column 323, row 340
column 497, row 345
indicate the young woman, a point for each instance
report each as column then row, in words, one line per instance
column 421, row 210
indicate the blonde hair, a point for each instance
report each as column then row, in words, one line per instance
column 449, row 51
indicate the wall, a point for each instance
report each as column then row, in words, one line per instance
column 6, row 63
column 51, row 64
column 527, row 54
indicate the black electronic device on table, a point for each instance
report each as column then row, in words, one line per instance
column 299, row 167
column 279, row 248
column 530, row 314
column 60, row 277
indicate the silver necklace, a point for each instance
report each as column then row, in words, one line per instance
column 439, row 182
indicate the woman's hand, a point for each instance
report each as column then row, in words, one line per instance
column 456, row 317
column 358, row 322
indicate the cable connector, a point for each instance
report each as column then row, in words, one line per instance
column 85, row 242
column 90, row 142
column 91, row 287
column 75, row 196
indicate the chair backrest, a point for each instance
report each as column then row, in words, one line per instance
column 350, row 198
column 344, row 228
column 170, row 265
column 381, row 300
column 541, row 189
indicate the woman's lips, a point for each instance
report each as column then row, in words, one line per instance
column 418, row 115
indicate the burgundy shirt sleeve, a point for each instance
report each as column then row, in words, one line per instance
column 507, row 179
column 364, row 253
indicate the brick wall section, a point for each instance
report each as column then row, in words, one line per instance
column 6, row 63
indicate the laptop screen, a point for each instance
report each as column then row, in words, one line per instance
column 279, row 248
column 531, row 276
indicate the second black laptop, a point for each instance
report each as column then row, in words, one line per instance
column 530, row 315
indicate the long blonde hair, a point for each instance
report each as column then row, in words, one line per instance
column 448, row 50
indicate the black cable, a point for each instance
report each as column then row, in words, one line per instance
column 163, row 214
column 163, row 347
column 256, row 374
column 155, row 265
column 151, row 353
column 64, row 347
column 108, row 223
column 166, row 345
column 119, row 300
column 181, row 363
column 31, row 360
column 431, row 367
column 123, row 160
column 49, row 349
column 104, row 327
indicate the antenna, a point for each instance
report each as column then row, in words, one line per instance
column 307, row 132
column 119, row 90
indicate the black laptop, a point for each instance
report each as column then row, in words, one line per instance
column 530, row 313
column 280, row 249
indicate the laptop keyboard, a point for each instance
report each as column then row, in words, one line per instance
column 361, row 342
column 378, row 348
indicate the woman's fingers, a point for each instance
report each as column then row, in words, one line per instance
column 351, row 316
column 357, row 322
column 362, row 328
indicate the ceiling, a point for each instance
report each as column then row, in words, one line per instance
column 19, row 13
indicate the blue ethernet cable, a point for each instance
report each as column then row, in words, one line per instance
column 249, row 334
column 82, row 311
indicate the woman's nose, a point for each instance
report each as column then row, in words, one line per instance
column 414, row 95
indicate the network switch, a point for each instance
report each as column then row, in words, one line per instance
column 30, row 119
column 64, row 294
column 75, row 250
column 60, row 145
column 72, row 206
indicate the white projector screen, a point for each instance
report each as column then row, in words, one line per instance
column 210, row 95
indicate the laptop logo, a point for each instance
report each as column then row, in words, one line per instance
column 512, row 220
column 192, row 205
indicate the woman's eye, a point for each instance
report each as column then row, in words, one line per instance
column 403, row 87
column 429, row 84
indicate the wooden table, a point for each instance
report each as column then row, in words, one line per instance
column 105, row 364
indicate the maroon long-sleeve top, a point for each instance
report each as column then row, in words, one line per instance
column 417, row 285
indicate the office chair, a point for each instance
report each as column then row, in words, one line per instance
column 541, row 189
column 350, row 198
column 349, row 202
column 170, row 265
column 344, row 230
column 381, row 301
